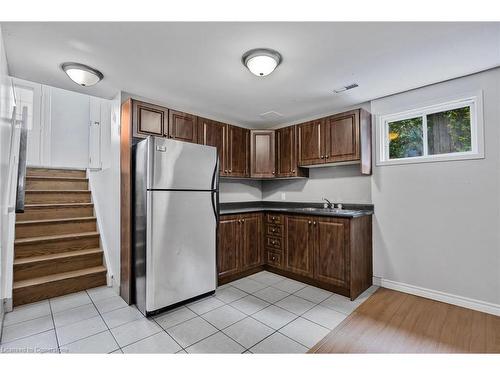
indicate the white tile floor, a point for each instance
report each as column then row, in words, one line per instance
column 262, row 313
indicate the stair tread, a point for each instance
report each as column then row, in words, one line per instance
column 56, row 205
column 54, row 237
column 68, row 254
column 65, row 219
column 57, row 178
column 57, row 277
column 57, row 191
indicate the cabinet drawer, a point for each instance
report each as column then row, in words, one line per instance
column 274, row 230
column 273, row 258
column 274, row 219
column 274, row 242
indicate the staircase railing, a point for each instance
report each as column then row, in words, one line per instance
column 21, row 170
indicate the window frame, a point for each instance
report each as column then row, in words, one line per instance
column 476, row 124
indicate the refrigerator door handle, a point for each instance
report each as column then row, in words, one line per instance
column 215, row 204
column 215, row 175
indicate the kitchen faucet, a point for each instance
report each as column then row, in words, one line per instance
column 328, row 204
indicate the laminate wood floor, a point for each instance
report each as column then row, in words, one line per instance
column 395, row 322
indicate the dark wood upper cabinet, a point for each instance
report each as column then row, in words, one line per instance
column 342, row 137
column 262, row 160
column 213, row 133
column 251, row 247
column 299, row 245
column 148, row 119
column 286, row 153
column 228, row 254
column 311, row 143
column 182, row 127
column 331, row 251
column 237, row 152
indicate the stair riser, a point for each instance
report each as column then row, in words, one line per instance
column 41, row 172
column 54, row 266
column 54, row 213
column 49, row 229
column 55, row 247
column 56, row 185
column 80, row 197
column 52, row 289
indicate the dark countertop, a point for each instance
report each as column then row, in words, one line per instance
column 315, row 209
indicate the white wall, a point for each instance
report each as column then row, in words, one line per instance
column 239, row 190
column 105, row 186
column 69, row 128
column 437, row 225
column 6, row 106
column 338, row 184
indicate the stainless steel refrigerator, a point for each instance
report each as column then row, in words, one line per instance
column 175, row 222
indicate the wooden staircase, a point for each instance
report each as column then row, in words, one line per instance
column 57, row 245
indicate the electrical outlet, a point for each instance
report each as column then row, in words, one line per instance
column 283, row 196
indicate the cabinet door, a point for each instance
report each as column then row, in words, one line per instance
column 251, row 248
column 237, row 151
column 342, row 137
column 299, row 245
column 149, row 119
column 285, row 145
column 286, row 153
column 228, row 254
column 331, row 254
column 213, row 133
column 262, row 162
column 311, row 142
column 182, row 126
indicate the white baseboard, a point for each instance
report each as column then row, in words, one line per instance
column 452, row 299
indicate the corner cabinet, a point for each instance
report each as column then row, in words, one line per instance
column 262, row 160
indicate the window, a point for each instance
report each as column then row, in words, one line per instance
column 448, row 131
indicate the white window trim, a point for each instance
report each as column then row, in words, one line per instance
column 477, row 131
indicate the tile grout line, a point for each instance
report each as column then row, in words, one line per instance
column 54, row 323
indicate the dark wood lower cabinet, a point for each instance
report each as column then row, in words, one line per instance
column 228, row 256
column 251, row 236
column 240, row 247
column 327, row 252
column 331, row 255
column 299, row 245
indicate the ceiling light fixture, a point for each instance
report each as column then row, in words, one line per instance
column 261, row 61
column 82, row 74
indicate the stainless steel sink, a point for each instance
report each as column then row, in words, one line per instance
column 332, row 210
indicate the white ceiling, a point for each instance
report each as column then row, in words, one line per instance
column 196, row 67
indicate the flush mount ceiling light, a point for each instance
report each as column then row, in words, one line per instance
column 261, row 61
column 82, row 74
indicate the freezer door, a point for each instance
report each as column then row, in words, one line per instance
column 180, row 261
column 181, row 165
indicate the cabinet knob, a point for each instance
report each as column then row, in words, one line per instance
column 321, row 157
column 230, row 171
column 293, row 171
column 273, row 218
column 273, row 172
column 327, row 156
column 314, row 223
column 243, row 220
column 309, row 222
column 225, row 170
